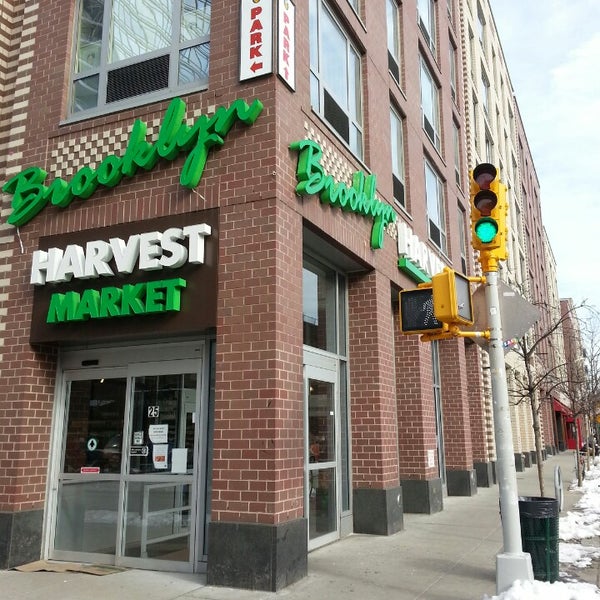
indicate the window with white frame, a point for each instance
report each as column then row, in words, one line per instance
column 335, row 78
column 393, row 38
column 426, row 17
column 457, row 153
column 397, row 140
column 489, row 148
column 436, row 214
column 430, row 106
column 129, row 51
column 354, row 4
column 453, row 77
column 462, row 236
column 480, row 25
column 485, row 91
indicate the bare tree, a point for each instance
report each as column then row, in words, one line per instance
column 589, row 366
column 545, row 372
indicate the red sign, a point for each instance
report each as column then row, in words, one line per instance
column 92, row 470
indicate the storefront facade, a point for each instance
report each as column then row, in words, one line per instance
column 202, row 368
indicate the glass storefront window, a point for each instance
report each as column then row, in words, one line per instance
column 319, row 301
column 95, row 425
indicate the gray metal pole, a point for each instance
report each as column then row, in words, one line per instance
column 512, row 563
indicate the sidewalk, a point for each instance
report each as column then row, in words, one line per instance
column 446, row 556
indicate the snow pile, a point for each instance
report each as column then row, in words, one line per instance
column 541, row 590
column 585, row 523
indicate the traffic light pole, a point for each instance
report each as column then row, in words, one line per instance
column 512, row 563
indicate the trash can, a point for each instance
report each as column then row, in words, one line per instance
column 539, row 535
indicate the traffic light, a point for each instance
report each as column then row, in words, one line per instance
column 452, row 300
column 488, row 214
column 416, row 312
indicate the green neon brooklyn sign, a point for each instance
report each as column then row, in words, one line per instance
column 30, row 195
column 359, row 198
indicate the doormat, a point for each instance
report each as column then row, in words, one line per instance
column 63, row 567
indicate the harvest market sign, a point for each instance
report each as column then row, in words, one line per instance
column 359, row 198
column 153, row 251
column 30, row 195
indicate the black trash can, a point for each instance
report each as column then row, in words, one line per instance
column 539, row 535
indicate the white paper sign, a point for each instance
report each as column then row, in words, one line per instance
column 158, row 433
column 179, row 460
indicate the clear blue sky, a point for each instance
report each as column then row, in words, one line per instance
column 552, row 49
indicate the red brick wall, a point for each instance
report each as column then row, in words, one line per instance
column 480, row 434
column 455, row 403
column 258, row 444
column 416, row 412
column 372, row 387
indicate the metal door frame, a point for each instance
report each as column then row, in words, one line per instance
column 325, row 369
column 74, row 365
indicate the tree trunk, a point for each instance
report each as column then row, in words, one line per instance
column 537, row 433
column 578, row 460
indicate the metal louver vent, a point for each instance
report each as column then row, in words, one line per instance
column 140, row 78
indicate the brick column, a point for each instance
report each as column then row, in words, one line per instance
column 421, row 484
column 257, row 535
column 481, row 435
column 460, row 474
column 377, row 502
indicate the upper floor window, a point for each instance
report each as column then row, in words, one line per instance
column 138, row 50
column 354, row 4
column 457, row 153
column 430, row 106
column 485, row 91
column 397, row 157
column 426, row 16
column 453, row 77
column 335, row 82
column 480, row 26
column 436, row 211
column 393, row 39
column 489, row 148
column 462, row 236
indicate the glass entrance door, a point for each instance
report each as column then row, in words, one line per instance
column 128, row 480
column 322, row 464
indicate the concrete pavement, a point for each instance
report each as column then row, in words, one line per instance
column 446, row 556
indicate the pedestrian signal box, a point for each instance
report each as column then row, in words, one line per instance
column 416, row 312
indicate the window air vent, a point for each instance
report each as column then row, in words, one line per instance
column 337, row 118
column 140, row 78
column 393, row 67
column 398, row 190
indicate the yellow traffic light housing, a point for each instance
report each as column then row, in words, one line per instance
column 452, row 299
column 489, row 209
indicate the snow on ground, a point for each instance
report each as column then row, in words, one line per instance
column 541, row 590
column 579, row 525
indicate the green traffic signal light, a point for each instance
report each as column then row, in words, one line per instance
column 486, row 229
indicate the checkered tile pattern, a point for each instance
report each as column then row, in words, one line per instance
column 72, row 154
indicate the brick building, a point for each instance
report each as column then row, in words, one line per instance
column 208, row 212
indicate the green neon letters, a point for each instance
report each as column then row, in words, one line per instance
column 30, row 195
column 129, row 300
column 359, row 198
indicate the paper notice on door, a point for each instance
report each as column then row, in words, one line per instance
column 179, row 460
column 159, row 455
column 158, row 433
